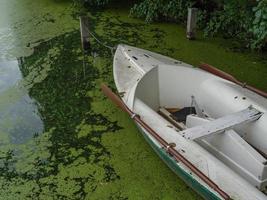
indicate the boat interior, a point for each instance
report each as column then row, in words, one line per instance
column 203, row 116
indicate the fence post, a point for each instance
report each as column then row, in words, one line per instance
column 85, row 35
column 191, row 23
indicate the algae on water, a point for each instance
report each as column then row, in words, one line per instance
column 84, row 147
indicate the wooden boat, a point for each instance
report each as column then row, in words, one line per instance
column 209, row 128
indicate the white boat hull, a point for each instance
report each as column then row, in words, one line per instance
column 147, row 81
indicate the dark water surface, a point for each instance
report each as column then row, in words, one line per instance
column 19, row 115
column 59, row 137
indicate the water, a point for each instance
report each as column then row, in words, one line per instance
column 19, row 116
column 60, row 138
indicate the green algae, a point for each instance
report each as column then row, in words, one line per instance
column 70, row 154
column 169, row 39
column 89, row 149
column 24, row 24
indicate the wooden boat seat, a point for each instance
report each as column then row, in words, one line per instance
column 168, row 116
column 221, row 124
column 172, row 110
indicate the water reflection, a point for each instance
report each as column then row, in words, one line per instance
column 19, row 117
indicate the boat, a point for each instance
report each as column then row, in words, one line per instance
column 207, row 126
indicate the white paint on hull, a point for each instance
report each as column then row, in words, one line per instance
column 148, row 81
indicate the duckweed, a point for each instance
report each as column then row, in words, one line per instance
column 89, row 149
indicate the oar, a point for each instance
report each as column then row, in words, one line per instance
column 231, row 78
column 169, row 147
column 117, row 100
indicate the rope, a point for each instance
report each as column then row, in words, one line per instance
column 102, row 43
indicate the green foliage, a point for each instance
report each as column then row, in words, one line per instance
column 154, row 10
column 98, row 3
column 177, row 9
column 244, row 20
column 231, row 21
column 259, row 26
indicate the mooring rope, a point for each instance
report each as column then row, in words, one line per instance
column 102, row 43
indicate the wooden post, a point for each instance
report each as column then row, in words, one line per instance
column 191, row 23
column 85, row 35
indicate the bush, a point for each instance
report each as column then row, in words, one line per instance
column 86, row 3
column 154, row 10
column 233, row 20
column 259, row 26
column 244, row 20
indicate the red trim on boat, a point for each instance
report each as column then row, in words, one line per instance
column 224, row 75
column 178, row 157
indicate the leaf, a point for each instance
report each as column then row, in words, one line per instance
column 258, row 14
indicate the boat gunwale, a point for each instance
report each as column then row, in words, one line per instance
column 129, row 101
column 179, row 170
column 168, row 148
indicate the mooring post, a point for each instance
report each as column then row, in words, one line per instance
column 191, row 23
column 85, row 35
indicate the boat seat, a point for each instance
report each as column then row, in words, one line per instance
column 235, row 152
column 169, row 116
column 221, row 124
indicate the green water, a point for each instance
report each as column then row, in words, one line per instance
column 60, row 137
